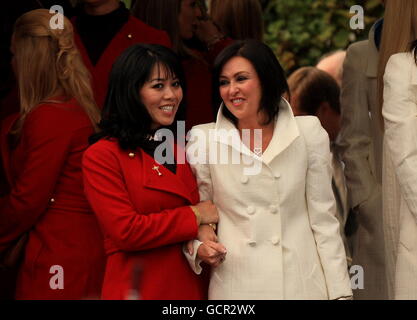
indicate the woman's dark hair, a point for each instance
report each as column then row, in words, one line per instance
column 160, row 14
column 270, row 73
column 124, row 116
column 239, row 19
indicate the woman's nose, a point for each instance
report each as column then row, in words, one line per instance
column 234, row 88
column 169, row 93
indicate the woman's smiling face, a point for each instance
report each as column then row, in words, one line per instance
column 161, row 94
column 240, row 88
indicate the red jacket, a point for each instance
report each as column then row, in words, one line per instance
column 134, row 31
column 145, row 219
column 47, row 199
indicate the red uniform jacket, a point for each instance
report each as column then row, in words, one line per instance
column 134, row 31
column 145, row 219
column 47, row 199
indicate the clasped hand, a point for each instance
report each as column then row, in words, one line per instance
column 210, row 251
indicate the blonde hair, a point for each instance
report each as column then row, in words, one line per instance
column 399, row 31
column 49, row 64
column 239, row 19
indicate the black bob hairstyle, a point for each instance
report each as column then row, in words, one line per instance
column 124, row 116
column 270, row 73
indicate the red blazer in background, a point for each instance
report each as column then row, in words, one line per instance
column 47, row 199
column 134, row 31
column 145, row 219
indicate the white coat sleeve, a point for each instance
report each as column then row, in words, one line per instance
column 400, row 118
column 321, row 210
column 197, row 157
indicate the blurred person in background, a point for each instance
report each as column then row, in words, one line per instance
column 332, row 63
column 42, row 148
column 104, row 29
column 9, row 97
column 238, row 19
column 360, row 146
column 314, row 92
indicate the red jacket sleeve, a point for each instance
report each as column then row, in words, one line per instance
column 130, row 230
column 46, row 143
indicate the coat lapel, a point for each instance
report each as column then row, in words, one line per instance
column 285, row 132
column 226, row 133
column 156, row 176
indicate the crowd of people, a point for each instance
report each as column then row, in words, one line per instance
column 160, row 152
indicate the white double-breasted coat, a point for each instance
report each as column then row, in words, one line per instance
column 277, row 220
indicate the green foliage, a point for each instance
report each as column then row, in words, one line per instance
column 301, row 31
column 127, row 3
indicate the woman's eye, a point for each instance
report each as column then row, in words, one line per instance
column 158, row 86
column 241, row 78
column 176, row 84
column 223, row 82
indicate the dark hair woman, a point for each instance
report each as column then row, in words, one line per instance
column 183, row 19
column 270, row 73
column 147, row 208
column 274, row 193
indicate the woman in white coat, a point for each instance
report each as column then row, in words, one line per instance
column 400, row 168
column 398, row 88
column 269, row 175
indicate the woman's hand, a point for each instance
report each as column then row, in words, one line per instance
column 208, row 32
column 207, row 212
column 212, row 253
column 205, row 233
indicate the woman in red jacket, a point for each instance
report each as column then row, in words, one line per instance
column 42, row 148
column 146, row 199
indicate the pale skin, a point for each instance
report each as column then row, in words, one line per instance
column 241, row 92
